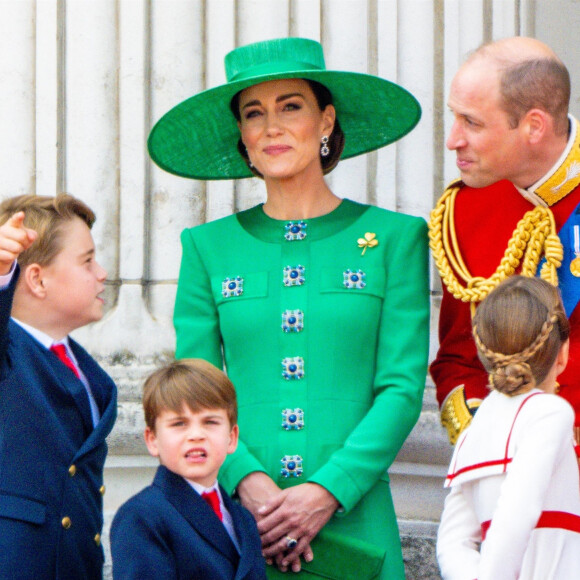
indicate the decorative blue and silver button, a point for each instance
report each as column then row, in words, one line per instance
column 291, row 466
column 294, row 276
column 293, row 419
column 354, row 278
column 293, row 367
column 292, row 320
column 295, row 231
column 233, row 287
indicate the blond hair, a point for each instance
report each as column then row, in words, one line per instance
column 518, row 330
column 193, row 382
column 47, row 216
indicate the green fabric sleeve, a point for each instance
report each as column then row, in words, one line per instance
column 400, row 374
column 198, row 336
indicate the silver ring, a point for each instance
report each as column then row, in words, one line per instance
column 291, row 543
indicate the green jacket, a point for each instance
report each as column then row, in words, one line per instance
column 356, row 368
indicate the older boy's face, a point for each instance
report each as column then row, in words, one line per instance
column 193, row 445
column 73, row 282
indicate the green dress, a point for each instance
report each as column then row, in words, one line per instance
column 326, row 343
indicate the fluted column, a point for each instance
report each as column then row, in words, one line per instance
column 17, row 112
column 83, row 81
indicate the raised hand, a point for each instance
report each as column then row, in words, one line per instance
column 14, row 239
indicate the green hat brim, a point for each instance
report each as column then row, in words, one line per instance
column 198, row 137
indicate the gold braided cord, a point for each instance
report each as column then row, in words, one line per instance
column 535, row 237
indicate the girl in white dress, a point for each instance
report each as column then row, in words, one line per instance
column 514, row 506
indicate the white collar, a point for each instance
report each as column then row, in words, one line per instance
column 44, row 339
column 202, row 489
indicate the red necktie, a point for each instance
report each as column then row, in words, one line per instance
column 213, row 500
column 60, row 351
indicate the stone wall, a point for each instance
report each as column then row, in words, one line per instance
column 82, row 82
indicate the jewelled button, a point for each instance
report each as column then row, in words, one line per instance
column 291, row 466
column 233, row 287
column 293, row 419
column 354, row 278
column 294, row 276
column 292, row 320
column 295, row 231
column 293, row 367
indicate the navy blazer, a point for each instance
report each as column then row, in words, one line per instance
column 51, row 458
column 167, row 531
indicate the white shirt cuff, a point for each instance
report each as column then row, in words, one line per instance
column 7, row 278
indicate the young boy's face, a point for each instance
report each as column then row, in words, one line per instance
column 193, row 445
column 74, row 281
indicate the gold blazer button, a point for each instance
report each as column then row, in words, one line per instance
column 66, row 523
column 98, row 539
column 102, row 490
column 72, row 470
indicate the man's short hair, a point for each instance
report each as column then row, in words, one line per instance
column 536, row 84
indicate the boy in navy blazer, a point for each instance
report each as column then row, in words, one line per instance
column 172, row 528
column 54, row 417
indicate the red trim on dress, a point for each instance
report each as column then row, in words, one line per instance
column 503, row 462
column 514, row 422
column 492, row 462
column 548, row 519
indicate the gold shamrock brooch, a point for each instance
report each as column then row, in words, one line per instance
column 369, row 241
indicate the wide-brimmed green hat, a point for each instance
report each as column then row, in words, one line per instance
column 198, row 138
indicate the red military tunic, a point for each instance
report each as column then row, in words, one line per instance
column 484, row 221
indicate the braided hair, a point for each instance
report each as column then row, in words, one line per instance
column 518, row 330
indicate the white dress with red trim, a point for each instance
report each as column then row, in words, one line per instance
column 514, row 506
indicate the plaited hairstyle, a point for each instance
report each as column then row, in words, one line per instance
column 519, row 329
column 335, row 139
column 47, row 216
column 193, row 382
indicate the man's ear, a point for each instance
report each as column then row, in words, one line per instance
column 33, row 278
column 537, row 124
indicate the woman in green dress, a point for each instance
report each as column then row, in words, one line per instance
column 318, row 307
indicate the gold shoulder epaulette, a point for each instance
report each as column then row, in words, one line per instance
column 455, row 414
column 535, row 237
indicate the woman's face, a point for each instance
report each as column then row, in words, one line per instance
column 281, row 126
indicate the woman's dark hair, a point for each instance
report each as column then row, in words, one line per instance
column 335, row 139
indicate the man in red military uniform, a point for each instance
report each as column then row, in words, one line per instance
column 518, row 153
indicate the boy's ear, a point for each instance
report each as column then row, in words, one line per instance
column 151, row 442
column 33, row 279
column 234, row 436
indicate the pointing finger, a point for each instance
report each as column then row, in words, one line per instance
column 17, row 220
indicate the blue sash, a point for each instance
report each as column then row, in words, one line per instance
column 568, row 283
